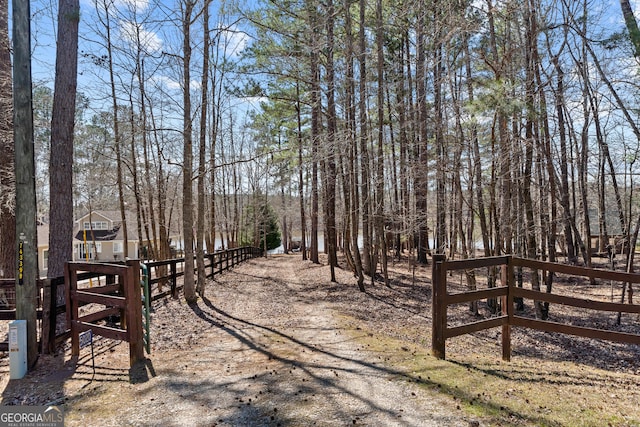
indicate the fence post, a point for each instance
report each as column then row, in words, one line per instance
column 71, row 282
column 50, row 314
column 507, row 280
column 174, row 278
column 211, row 257
column 133, row 310
column 439, row 308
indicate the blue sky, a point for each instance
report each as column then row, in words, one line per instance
column 156, row 37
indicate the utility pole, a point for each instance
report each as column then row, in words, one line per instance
column 27, row 247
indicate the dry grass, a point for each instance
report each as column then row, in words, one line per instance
column 525, row 391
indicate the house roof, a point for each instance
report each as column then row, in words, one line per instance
column 100, row 235
column 116, row 233
column 114, row 216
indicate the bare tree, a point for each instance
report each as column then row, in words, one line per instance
column 187, row 7
column 202, row 148
column 330, row 174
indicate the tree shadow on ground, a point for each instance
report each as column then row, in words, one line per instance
column 318, row 382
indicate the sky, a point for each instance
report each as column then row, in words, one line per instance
column 155, row 37
column 165, row 38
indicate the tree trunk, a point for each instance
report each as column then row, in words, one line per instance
column 331, row 238
column 106, row 22
column 632, row 26
column 202, row 149
column 62, row 124
column 421, row 181
column 564, row 170
column 352, row 147
column 530, row 90
column 152, row 235
column 7, row 168
column 364, row 150
column 187, row 168
column 303, row 219
column 379, row 212
column 315, row 133
column 134, row 176
column 161, row 184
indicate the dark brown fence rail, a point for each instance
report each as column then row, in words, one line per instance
column 168, row 271
column 509, row 290
column 52, row 296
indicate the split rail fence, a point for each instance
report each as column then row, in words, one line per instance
column 509, row 291
column 54, row 300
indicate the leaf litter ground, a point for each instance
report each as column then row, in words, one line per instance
column 274, row 342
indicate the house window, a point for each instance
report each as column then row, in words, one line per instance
column 82, row 252
column 90, row 250
column 95, row 225
column 45, row 259
column 117, row 247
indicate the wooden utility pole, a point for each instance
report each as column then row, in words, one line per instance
column 27, row 247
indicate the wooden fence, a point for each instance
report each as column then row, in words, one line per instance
column 121, row 297
column 168, row 271
column 509, row 291
column 52, row 295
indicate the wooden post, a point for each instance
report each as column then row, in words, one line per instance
column 133, row 311
column 174, row 278
column 49, row 314
column 71, row 281
column 507, row 309
column 439, row 309
column 26, row 240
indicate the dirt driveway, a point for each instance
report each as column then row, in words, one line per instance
column 266, row 347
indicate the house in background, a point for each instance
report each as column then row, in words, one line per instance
column 97, row 236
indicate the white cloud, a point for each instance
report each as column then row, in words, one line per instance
column 149, row 41
column 138, row 5
column 167, row 82
column 171, row 84
column 235, row 41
